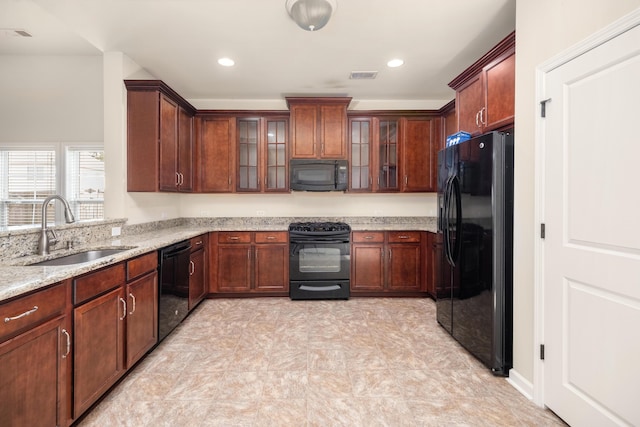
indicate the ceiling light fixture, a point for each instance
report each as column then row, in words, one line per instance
column 311, row 15
column 395, row 63
column 226, row 62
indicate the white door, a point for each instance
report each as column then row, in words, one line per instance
column 591, row 252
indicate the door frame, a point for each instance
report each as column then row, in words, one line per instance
column 611, row 31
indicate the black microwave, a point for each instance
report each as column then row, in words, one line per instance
column 318, row 175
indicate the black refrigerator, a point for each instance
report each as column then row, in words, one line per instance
column 474, row 281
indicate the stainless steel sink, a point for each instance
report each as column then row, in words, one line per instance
column 81, row 257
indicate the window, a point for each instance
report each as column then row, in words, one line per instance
column 30, row 174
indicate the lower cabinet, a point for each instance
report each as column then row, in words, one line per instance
column 388, row 262
column 198, row 270
column 115, row 324
column 35, row 359
column 250, row 262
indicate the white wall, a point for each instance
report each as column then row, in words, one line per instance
column 544, row 28
column 51, row 98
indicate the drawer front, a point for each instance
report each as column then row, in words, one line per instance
column 199, row 242
column 92, row 284
column 234, row 237
column 272, row 237
column 29, row 311
column 368, row 237
column 141, row 265
column 404, row 237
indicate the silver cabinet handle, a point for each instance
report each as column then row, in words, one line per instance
column 64, row 331
column 124, row 309
column 133, row 299
column 192, row 268
column 177, row 179
column 271, row 237
column 403, row 237
column 20, row 316
column 199, row 242
column 389, row 254
column 234, row 238
column 406, row 179
column 368, row 237
column 483, row 119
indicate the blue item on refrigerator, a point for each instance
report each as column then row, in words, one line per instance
column 457, row 138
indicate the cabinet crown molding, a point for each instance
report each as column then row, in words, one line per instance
column 159, row 85
column 318, row 100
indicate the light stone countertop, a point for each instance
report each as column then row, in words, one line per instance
column 17, row 277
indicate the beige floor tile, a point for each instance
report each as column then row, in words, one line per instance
column 276, row 362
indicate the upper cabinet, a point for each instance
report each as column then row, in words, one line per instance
column 159, row 138
column 262, row 154
column 215, row 151
column 318, row 127
column 392, row 153
column 485, row 92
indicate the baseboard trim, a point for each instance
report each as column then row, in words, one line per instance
column 521, row 384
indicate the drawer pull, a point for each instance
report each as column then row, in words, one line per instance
column 271, row 237
column 64, row 331
column 368, row 237
column 199, row 242
column 403, row 237
column 234, row 238
column 19, row 316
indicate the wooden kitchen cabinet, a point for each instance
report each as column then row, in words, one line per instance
column 251, row 262
column 388, row 262
column 318, row 127
column 35, row 359
column 360, row 154
column 419, row 147
column 215, row 148
column 198, row 287
column 262, row 149
column 159, row 138
column 115, row 325
column 485, row 92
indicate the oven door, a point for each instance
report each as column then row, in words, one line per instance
column 319, row 260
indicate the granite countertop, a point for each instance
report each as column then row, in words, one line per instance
column 17, row 277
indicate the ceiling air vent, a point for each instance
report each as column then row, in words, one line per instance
column 13, row 32
column 363, row 75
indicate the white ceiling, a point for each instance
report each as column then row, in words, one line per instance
column 179, row 42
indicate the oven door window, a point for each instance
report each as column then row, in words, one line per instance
column 314, row 259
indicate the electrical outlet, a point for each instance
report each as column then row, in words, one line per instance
column 115, row 231
column 260, row 213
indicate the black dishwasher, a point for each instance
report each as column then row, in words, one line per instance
column 174, row 286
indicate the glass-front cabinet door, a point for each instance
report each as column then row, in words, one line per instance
column 276, row 147
column 262, row 154
column 388, row 133
column 360, row 154
column 247, row 132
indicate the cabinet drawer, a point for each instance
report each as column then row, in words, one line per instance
column 272, row 237
column 141, row 265
column 234, row 237
column 368, row 237
column 92, row 284
column 404, row 236
column 199, row 242
column 27, row 312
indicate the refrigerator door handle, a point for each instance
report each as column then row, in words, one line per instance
column 455, row 190
column 446, row 223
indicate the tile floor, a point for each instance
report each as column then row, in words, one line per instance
column 277, row 362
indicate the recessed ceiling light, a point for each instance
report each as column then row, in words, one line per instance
column 226, row 62
column 395, row 63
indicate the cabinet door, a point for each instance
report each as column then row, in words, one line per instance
column 32, row 374
column 98, row 351
column 404, row 267
column 304, row 131
column 234, row 268
column 500, row 83
column 367, row 267
column 217, row 154
column 142, row 317
column 388, row 138
column 185, row 150
column 197, row 282
column 469, row 102
column 417, row 155
column 168, row 144
column 271, row 267
column 360, row 155
column 248, row 172
column 276, row 165
column 333, row 129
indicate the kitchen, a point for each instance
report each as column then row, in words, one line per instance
column 148, row 207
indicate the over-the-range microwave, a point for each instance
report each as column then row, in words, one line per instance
column 318, row 175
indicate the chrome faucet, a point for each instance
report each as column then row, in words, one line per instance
column 44, row 242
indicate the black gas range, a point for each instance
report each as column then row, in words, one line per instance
column 319, row 260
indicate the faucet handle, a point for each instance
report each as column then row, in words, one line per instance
column 54, row 237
